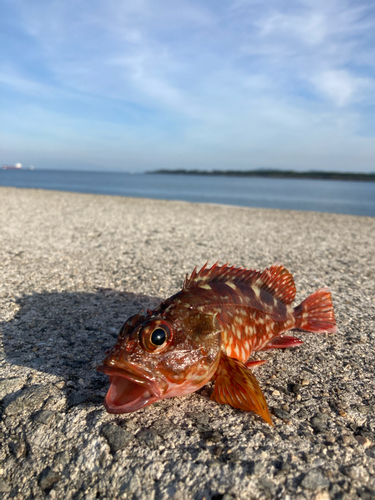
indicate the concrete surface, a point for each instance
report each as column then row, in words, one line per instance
column 72, row 269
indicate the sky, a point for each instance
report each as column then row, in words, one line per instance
column 138, row 85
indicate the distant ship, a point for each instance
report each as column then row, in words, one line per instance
column 16, row 166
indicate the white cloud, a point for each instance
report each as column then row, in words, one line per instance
column 309, row 28
column 343, row 88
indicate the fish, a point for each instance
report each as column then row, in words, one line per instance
column 208, row 331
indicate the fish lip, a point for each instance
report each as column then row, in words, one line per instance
column 134, row 377
column 137, row 377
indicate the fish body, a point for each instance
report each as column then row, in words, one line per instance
column 207, row 331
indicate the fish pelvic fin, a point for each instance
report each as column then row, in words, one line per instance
column 282, row 342
column 255, row 362
column 236, row 386
column 315, row 313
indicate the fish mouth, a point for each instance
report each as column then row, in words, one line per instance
column 131, row 389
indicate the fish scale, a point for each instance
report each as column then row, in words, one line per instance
column 246, row 314
column 208, row 331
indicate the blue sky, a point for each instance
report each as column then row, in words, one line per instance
column 139, row 85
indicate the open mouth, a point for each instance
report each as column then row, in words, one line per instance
column 128, row 391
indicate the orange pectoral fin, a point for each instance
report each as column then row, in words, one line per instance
column 236, row 386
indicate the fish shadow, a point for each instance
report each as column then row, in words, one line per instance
column 67, row 334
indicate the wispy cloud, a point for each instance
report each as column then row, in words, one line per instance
column 191, row 83
column 343, row 88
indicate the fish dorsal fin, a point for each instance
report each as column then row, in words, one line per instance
column 219, row 274
column 276, row 280
column 236, row 386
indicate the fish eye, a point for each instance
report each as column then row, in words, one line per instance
column 158, row 336
column 155, row 335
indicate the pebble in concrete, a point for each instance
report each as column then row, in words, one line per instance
column 44, row 416
column 48, row 478
column 116, row 436
column 314, row 480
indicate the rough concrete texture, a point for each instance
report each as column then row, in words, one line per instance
column 74, row 267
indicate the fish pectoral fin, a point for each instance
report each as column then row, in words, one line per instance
column 236, row 386
column 282, row 343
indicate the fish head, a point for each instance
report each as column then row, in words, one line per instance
column 159, row 356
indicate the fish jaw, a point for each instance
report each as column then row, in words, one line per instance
column 130, row 389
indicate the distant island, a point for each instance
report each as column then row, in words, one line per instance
column 287, row 174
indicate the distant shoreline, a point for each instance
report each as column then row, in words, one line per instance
column 282, row 174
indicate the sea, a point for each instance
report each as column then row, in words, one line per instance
column 341, row 197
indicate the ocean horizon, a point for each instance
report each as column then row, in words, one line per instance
column 332, row 196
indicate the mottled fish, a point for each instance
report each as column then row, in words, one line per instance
column 207, row 331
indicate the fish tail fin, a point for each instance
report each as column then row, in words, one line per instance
column 236, row 386
column 315, row 313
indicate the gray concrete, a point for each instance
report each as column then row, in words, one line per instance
column 74, row 267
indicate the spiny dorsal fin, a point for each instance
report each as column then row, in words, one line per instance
column 276, row 280
column 219, row 274
column 236, row 386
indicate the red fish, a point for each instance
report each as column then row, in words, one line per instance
column 207, row 331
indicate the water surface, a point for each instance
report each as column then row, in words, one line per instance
column 343, row 197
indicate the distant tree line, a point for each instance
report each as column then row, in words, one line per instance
column 291, row 174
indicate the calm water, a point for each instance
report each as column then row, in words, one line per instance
column 343, row 197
